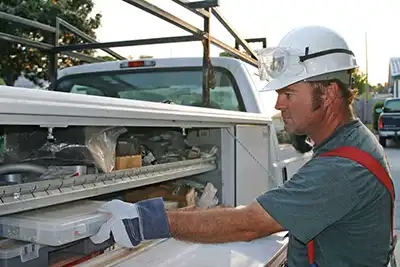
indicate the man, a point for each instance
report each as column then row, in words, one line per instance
column 334, row 201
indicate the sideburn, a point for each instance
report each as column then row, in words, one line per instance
column 317, row 97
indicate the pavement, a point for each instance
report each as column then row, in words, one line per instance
column 393, row 155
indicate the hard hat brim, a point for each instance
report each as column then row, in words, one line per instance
column 283, row 82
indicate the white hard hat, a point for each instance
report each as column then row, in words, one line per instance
column 302, row 54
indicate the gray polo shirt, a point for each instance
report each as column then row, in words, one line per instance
column 336, row 202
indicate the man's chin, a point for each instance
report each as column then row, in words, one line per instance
column 289, row 130
column 294, row 131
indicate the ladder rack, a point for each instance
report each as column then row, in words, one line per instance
column 204, row 9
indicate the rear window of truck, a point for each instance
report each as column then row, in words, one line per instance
column 181, row 86
column 392, row 105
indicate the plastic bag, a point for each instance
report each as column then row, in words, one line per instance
column 208, row 199
column 86, row 146
column 102, row 143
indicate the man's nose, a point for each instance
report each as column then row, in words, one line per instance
column 280, row 102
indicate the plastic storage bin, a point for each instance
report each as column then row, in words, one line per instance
column 14, row 253
column 56, row 225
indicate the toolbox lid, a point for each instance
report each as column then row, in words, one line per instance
column 55, row 225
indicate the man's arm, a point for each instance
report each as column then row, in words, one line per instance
column 222, row 225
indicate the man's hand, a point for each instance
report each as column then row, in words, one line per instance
column 130, row 224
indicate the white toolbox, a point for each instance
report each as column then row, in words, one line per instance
column 55, row 225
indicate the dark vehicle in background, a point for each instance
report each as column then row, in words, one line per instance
column 389, row 121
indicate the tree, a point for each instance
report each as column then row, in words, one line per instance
column 379, row 88
column 16, row 59
column 360, row 82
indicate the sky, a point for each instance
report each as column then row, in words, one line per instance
column 271, row 19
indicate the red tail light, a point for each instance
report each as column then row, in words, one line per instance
column 380, row 122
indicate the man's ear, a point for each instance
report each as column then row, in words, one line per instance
column 331, row 94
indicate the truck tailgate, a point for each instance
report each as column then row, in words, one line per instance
column 267, row 251
column 391, row 121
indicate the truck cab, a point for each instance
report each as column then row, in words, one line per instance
column 171, row 80
column 389, row 121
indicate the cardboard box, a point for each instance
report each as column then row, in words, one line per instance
column 128, row 162
column 184, row 195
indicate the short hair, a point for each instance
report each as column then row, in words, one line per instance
column 349, row 94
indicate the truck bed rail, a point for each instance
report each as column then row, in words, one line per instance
column 23, row 197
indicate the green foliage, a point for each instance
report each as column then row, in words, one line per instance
column 33, row 63
column 375, row 115
column 360, row 82
column 225, row 54
column 106, row 58
column 379, row 88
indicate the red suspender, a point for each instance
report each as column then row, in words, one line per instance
column 369, row 162
column 311, row 251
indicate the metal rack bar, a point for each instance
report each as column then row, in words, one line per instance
column 232, row 31
column 203, row 8
column 23, row 197
column 48, row 28
column 27, row 22
column 203, row 4
column 205, row 35
column 164, row 15
column 161, row 40
column 22, row 40
column 200, row 12
column 87, row 37
column 206, row 62
column 253, row 40
column 82, row 57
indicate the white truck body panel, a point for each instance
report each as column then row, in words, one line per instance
column 39, row 107
column 252, row 168
column 262, row 252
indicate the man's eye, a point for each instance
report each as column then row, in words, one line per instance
column 288, row 95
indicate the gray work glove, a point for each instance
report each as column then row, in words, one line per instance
column 130, row 224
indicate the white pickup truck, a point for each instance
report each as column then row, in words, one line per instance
column 64, row 154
